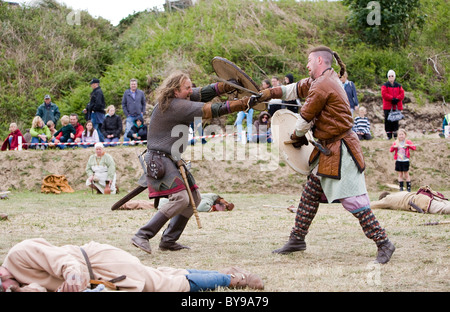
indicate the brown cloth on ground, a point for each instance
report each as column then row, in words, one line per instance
column 56, row 184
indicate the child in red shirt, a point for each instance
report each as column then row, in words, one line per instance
column 401, row 148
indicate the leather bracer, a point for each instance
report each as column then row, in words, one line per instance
column 215, row 110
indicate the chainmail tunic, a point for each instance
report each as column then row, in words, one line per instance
column 168, row 132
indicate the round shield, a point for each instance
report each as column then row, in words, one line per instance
column 227, row 70
column 283, row 125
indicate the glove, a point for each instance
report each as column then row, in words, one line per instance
column 265, row 95
column 272, row 93
column 395, row 101
column 300, row 140
column 243, row 104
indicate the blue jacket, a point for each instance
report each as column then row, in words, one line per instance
column 133, row 107
column 350, row 89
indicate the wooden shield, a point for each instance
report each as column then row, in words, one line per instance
column 227, row 70
column 283, row 125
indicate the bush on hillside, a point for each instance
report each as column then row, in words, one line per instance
column 41, row 53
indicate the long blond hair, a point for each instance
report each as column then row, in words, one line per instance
column 36, row 122
column 166, row 91
column 401, row 130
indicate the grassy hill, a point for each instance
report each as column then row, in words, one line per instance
column 40, row 52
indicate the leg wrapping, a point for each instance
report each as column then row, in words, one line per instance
column 308, row 206
column 370, row 226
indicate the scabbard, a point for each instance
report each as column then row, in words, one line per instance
column 180, row 166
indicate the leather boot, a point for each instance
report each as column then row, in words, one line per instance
column 140, row 239
column 294, row 244
column 385, row 251
column 173, row 233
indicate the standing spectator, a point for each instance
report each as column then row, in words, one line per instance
column 48, row 111
column 139, row 130
column 133, row 105
column 40, row 133
column 73, row 120
column 263, row 131
column 12, row 141
column 68, row 131
column 293, row 104
column 401, row 148
column 362, row 125
column 238, row 123
column 95, row 110
column 90, row 136
column 350, row 89
column 393, row 95
column 112, row 126
column 275, row 104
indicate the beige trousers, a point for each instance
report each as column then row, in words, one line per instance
column 179, row 203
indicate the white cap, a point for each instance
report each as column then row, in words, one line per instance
column 99, row 144
column 391, row 73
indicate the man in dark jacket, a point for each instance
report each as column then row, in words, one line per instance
column 133, row 105
column 95, row 110
column 48, row 111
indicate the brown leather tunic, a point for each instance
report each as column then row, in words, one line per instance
column 326, row 104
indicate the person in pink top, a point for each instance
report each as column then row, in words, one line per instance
column 401, row 148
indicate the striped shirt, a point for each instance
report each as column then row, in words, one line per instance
column 361, row 124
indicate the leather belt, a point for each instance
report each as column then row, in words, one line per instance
column 93, row 281
column 89, row 266
column 336, row 138
column 161, row 153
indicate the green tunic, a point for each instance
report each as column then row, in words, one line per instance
column 352, row 182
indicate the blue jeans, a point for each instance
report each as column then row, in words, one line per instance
column 37, row 140
column 201, row 280
column 63, row 140
column 240, row 117
column 97, row 121
column 106, row 140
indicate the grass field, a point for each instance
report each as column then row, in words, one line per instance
column 338, row 257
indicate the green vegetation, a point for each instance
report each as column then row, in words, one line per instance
column 40, row 52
